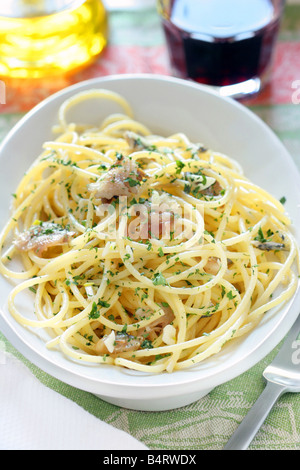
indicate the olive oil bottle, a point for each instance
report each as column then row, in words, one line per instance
column 42, row 38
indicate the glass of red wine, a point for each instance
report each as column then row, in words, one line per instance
column 228, row 44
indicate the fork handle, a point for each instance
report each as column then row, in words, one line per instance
column 250, row 425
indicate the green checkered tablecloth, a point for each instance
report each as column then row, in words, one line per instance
column 137, row 45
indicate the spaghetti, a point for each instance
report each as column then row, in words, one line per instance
column 141, row 251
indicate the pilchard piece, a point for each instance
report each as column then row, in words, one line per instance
column 138, row 143
column 156, row 327
column 123, row 342
column 212, row 266
column 122, row 179
column 41, row 236
column 202, row 182
column 269, row 246
column 213, row 190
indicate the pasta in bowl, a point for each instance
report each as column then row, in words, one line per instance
column 143, row 251
column 141, row 261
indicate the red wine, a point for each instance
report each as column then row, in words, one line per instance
column 221, row 42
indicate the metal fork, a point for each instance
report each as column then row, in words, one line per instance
column 282, row 376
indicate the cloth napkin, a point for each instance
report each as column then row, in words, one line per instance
column 34, row 417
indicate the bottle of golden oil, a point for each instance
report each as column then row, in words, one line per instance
column 41, row 38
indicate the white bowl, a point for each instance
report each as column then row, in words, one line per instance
column 166, row 105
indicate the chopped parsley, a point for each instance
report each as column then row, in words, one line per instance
column 179, row 166
column 261, row 237
column 146, row 344
column 132, row 182
column 230, row 295
column 283, row 200
column 160, row 252
column 103, row 303
column 94, row 313
column 159, row 280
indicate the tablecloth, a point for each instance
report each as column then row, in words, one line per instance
column 137, row 44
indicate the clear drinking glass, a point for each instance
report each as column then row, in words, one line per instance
column 47, row 37
column 228, row 44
